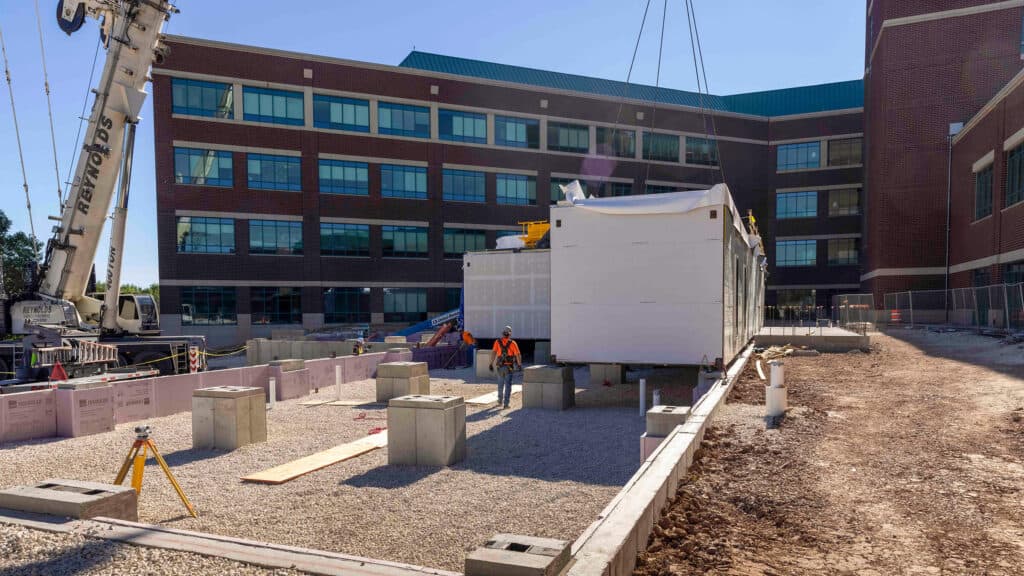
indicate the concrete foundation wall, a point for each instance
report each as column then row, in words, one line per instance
column 819, row 343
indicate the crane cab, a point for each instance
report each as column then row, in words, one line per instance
column 136, row 313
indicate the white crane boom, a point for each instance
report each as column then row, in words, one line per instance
column 132, row 34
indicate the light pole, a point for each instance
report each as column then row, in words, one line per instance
column 954, row 129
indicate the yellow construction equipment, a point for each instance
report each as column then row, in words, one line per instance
column 533, row 231
column 137, row 457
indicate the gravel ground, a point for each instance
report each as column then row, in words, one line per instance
column 527, row 472
column 26, row 552
column 905, row 460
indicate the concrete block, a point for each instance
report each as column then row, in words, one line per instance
column 223, row 417
column 73, row 499
column 288, row 365
column 542, row 352
column 85, row 410
column 28, row 415
column 402, row 369
column 401, row 436
column 425, row 402
column 429, row 430
column 134, row 400
column 292, row 384
column 435, row 442
column 257, row 418
column 648, row 443
column 385, row 389
column 533, row 394
column 480, row 363
column 558, row 396
column 514, row 555
column 551, row 374
column 202, row 422
column 231, row 422
column 601, row 374
column 661, row 420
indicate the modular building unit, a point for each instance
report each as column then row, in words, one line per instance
column 667, row 279
column 507, row 287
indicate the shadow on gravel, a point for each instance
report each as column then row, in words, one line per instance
column 390, row 476
column 76, row 560
column 189, row 455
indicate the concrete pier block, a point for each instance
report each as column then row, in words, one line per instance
column 426, row 430
column 223, row 417
column 515, row 555
column 401, row 369
column 73, row 499
column 549, row 387
column 84, row 409
column 546, row 373
column 480, row 363
column 661, row 420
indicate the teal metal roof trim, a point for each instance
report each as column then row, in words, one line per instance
column 784, row 102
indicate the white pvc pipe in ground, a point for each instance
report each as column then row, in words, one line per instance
column 273, row 393
column 775, row 400
column 337, row 379
column 777, row 376
column 643, row 396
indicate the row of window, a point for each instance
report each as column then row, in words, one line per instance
column 807, row 155
column 792, row 253
column 213, row 99
column 790, row 205
column 270, row 172
column 205, row 235
column 1014, row 190
column 217, row 305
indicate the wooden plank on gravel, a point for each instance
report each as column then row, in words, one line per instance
column 492, row 397
column 362, row 403
column 295, row 468
column 314, row 402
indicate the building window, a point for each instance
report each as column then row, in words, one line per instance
column 799, row 156
column 516, row 132
column 516, row 189
column 275, row 237
column 276, row 305
column 463, row 186
column 266, row 172
column 458, row 241
column 346, row 305
column 620, row 189
column 568, row 137
column 404, row 241
column 341, row 113
column 796, row 205
column 795, row 298
column 452, row 298
column 842, row 252
column 983, row 193
column 702, row 151
column 403, row 181
column 405, row 304
column 344, row 239
column 403, row 120
column 556, row 190
column 661, row 147
column 274, row 106
column 343, row 177
column 202, row 167
column 1013, row 273
column 198, row 98
column 845, row 152
column 616, row 142
column 656, row 189
column 981, row 277
column 844, row 202
column 462, row 126
column 200, row 235
column 796, row 253
column 208, row 306
column 504, row 233
column 1015, row 175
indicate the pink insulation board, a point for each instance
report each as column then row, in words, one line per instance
column 134, row 400
column 28, row 415
column 173, row 394
column 85, row 411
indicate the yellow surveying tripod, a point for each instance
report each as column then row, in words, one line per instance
column 137, row 455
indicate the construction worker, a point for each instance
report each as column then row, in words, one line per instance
column 506, row 353
column 468, row 343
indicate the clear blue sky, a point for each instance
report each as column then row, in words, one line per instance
column 748, row 45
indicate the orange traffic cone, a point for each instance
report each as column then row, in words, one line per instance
column 58, row 373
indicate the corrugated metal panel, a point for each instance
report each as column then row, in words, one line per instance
column 835, row 96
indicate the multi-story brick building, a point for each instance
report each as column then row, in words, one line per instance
column 302, row 190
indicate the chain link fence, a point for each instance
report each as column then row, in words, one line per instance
column 854, row 311
column 795, row 315
column 997, row 307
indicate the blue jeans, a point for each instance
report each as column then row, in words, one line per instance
column 504, row 384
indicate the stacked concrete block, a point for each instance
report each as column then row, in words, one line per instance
column 134, row 400
column 426, row 430
column 84, row 409
column 542, row 352
column 28, row 415
column 610, row 374
column 73, row 499
column 661, row 420
column 549, row 387
column 228, row 417
column 514, row 555
column 481, row 362
column 396, row 379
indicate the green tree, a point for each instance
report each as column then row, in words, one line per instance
column 19, row 256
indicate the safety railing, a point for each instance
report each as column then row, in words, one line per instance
column 999, row 307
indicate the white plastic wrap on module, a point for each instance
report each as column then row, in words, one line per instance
column 508, row 288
